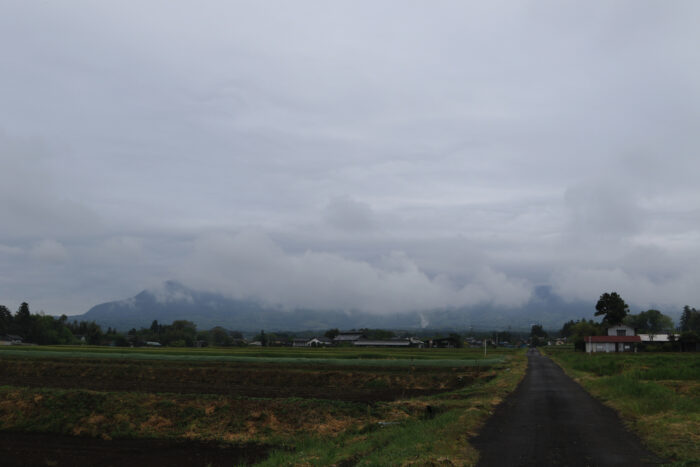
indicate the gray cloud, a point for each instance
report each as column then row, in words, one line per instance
column 50, row 251
column 390, row 156
column 346, row 214
column 249, row 264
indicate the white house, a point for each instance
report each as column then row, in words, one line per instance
column 620, row 338
column 319, row 342
column 620, row 330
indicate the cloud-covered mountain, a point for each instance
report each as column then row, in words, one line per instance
column 174, row 301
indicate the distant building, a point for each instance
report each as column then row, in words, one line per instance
column 658, row 337
column 620, row 338
column 442, row 343
column 319, row 342
column 348, row 337
column 10, row 339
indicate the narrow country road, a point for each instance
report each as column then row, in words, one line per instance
column 552, row 421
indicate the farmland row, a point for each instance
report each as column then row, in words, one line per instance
column 301, row 412
column 258, row 379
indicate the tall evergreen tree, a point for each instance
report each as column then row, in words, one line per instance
column 5, row 319
column 612, row 308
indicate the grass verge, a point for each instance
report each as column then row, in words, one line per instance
column 657, row 395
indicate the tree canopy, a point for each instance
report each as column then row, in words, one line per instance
column 576, row 331
column 690, row 320
column 612, row 308
column 650, row 322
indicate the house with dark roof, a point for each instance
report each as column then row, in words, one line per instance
column 620, row 338
column 347, row 338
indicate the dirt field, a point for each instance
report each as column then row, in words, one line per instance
column 29, row 449
column 91, row 410
column 362, row 384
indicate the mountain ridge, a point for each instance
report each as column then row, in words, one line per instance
column 174, row 301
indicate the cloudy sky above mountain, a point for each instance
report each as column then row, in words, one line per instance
column 384, row 155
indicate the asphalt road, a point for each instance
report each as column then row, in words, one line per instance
column 552, row 421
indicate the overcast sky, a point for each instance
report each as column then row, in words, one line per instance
column 373, row 155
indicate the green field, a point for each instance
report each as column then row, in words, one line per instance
column 656, row 394
column 304, row 406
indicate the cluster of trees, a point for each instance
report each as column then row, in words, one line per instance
column 183, row 333
column 538, row 336
column 575, row 331
column 690, row 320
column 39, row 328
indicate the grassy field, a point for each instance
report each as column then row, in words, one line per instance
column 657, row 395
column 306, row 406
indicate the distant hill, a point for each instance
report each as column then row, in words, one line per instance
column 174, row 301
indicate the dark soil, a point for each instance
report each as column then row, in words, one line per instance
column 552, row 421
column 29, row 449
column 359, row 384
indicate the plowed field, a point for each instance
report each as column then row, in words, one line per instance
column 230, row 407
column 347, row 383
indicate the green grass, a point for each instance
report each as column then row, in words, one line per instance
column 658, row 395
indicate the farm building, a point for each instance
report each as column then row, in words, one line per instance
column 620, row 338
column 9, row 339
column 443, row 343
column 658, row 337
column 348, row 337
column 319, row 342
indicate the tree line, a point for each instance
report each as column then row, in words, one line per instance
column 38, row 328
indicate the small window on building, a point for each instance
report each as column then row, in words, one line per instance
column 622, row 332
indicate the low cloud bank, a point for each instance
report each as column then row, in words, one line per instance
column 251, row 265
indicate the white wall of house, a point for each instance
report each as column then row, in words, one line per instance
column 600, row 347
column 658, row 337
column 608, row 347
column 617, row 330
